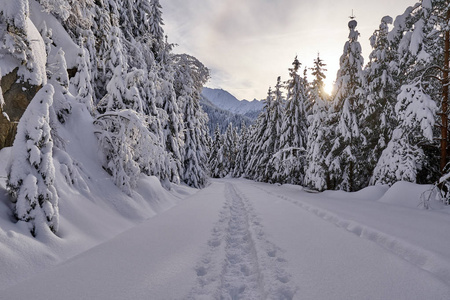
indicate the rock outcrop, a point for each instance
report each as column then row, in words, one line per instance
column 17, row 95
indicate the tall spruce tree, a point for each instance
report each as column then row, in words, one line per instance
column 257, row 139
column 242, row 152
column 262, row 167
column 293, row 139
column 382, row 90
column 316, row 169
column 346, row 160
column 189, row 80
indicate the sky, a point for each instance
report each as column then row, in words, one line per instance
column 247, row 44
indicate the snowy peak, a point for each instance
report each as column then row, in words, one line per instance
column 227, row 101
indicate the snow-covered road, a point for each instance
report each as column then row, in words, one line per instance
column 238, row 239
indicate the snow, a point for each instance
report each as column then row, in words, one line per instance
column 236, row 239
column 60, row 37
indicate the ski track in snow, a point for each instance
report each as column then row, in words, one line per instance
column 240, row 262
column 422, row 258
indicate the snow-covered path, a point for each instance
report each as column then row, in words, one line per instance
column 238, row 239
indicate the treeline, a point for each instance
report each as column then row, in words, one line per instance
column 142, row 98
column 385, row 122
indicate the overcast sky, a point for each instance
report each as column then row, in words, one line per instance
column 248, row 43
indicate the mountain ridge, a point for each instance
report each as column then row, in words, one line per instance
column 225, row 100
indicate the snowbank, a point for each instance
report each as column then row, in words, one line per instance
column 92, row 208
column 411, row 195
column 59, row 35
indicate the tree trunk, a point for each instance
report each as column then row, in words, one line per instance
column 445, row 94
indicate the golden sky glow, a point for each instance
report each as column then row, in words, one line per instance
column 247, row 44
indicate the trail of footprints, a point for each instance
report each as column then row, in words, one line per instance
column 240, row 262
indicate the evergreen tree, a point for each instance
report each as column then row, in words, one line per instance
column 60, row 80
column 318, row 85
column 403, row 157
column 293, row 139
column 383, row 86
column 257, row 137
column 242, row 152
column 31, row 173
column 216, row 156
column 263, row 165
column 189, row 80
column 81, row 83
column 316, row 170
column 156, row 30
column 229, row 150
column 16, row 42
column 129, row 148
column 346, row 160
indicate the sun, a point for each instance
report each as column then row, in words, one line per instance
column 328, row 87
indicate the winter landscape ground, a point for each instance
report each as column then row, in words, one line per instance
column 112, row 188
column 235, row 239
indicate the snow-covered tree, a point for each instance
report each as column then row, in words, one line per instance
column 242, row 152
column 346, row 160
column 31, row 173
column 316, row 170
column 228, row 149
column 81, row 83
column 265, row 140
column 189, row 80
column 215, row 159
column 59, row 8
column 156, row 30
column 173, row 125
column 382, row 90
column 129, row 148
column 60, row 80
column 15, row 39
column 293, row 139
column 403, row 157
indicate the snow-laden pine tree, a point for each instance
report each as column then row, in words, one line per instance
column 257, row 135
column 112, row 56
column 228, row 149
column 15, row 39
column 57, row 68
column 215, row 159
column 346, row 160
column 382, row 89
column 318, row 147
column 173, row 125
column 190, row 77
column 59, row 8
column 21, row 43
column 157, row 32
column 293, row 139
column 81, row 83
column 403, row 157
column 264, row 165
column 31, row 173
column 422, row 38
column 242, row 152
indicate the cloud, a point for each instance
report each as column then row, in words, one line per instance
column 248, row 43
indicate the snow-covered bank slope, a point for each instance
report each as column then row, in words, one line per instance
column 92, row 209
column 238, row 239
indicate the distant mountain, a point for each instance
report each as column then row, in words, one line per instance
column 222, row 117
column 226, row 101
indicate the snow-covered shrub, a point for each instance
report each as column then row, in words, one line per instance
column 130, row 148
